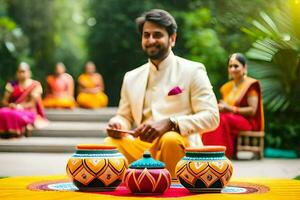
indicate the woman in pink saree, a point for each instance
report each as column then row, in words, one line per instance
column 22, row 104
column 241, row 107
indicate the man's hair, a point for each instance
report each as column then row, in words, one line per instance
column 160, row 17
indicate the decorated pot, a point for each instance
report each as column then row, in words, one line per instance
column 96, row 167
column 147, row 176
column 204, row 169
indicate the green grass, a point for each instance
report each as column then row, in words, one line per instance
column 3, row 177
column 297, row 178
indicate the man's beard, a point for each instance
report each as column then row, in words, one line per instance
column 159, row 53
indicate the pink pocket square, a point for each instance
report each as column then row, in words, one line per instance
column 174, row 91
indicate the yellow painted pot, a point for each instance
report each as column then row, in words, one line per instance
column 96, row 167
column 204, row 169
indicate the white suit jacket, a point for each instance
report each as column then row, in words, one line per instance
column 195, row 108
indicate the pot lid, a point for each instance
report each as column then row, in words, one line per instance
column 95, row 147
column 209, row 148
column 147, row 162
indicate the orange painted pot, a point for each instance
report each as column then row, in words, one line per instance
column 204, row 169
column 96, row 167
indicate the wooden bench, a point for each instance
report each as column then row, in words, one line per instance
column 251, row 141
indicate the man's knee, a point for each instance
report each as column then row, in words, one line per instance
column 110, row 141
column 107, row 140
column 172, row 138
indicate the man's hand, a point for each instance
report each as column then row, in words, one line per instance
column 114, row 134
column 152, row 130
column 114, row 125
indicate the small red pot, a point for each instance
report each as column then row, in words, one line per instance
column 147, row 176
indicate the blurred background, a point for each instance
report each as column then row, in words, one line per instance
column 45, row 32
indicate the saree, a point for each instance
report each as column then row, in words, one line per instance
column 14, row 121
column 91, row 100
column 230, row 123
column 59, row 94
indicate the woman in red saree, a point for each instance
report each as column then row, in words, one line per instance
column 22, row 104
column 241, row 107
column 60, row 89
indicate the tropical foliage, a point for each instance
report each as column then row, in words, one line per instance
column 277, row 55
column 36, row 20
column 276, row 63
column 204, row 44
column 13, row 46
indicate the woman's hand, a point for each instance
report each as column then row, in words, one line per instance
column 15, row 106
column 19, row 107
column 12, row 105
column 224, row 107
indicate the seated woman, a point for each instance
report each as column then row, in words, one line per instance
column 22, row 104
column 59, row 89
column 91, row 88
column 241, row 107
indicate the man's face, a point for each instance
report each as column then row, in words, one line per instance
column 156, row 41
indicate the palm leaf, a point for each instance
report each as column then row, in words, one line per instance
column 270, row 23
column 261, row 27
column 276, row 60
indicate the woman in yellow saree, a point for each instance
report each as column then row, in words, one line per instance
column 91, row 88
column 241, row 107
column 60, row 89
